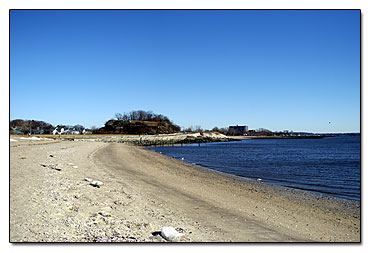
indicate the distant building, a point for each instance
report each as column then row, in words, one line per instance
column 239, row 129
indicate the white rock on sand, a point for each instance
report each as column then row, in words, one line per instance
column 12, row 140
column 96, row 183
column 170, row 233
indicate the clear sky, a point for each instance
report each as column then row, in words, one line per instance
column 280, row 70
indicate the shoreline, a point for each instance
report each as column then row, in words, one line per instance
column 144, row 190
column 291, row 192
column 314, row 192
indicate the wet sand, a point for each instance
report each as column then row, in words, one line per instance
column 144, row 191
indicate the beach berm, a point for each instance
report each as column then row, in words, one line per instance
column 145, row 191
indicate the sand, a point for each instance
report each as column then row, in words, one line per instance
column 144, row 191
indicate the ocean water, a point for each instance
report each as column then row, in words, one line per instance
column 329, row 166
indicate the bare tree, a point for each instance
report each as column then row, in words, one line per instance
column 126, row 116
column 141, row 115
column 197, row 128
column 149, row 115
column 119, row 116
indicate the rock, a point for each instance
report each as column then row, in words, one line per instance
column 104, row 214
column 96, row 183
column 87, row 179
column 75, row 167
column 170, row 233
column 52, row 167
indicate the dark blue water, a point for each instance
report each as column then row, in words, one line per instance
column 330, row 165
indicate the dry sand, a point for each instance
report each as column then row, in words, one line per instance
column 144, row 191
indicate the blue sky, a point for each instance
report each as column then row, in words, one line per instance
column 280, row 70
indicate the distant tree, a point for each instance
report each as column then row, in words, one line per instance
column 118, row 116
column 17, row 123
column 223, row 130
column 79, row 128
column 142, row 115
column 149, row 115
column 61, row 126
column 27, row 126
column 132, row 115
column 197, row 128
column 125, row 116
column 188, row 129
column 232, row 131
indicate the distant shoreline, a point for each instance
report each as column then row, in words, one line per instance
column 145, row 140
column 169, row 139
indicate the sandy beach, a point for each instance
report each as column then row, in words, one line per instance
column 143, row 191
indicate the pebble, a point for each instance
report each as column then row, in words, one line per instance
column 104, row 214
column 96, row 183
column 52, row 167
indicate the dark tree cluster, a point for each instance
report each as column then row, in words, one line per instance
column 222, row 130
column 138, row 122
column 19, row 126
